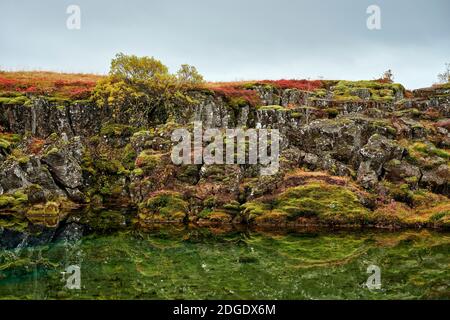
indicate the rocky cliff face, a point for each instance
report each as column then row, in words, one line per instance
column 350, row 156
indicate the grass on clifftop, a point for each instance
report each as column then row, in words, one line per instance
column 365, row 89
column 80, row 86
column 19, row 85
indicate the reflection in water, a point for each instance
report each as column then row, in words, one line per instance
column 173, row 263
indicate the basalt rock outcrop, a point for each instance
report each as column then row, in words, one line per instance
column 350, row 154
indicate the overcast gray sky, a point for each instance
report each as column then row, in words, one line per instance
column 233, row 39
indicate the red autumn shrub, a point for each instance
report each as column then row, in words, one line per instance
column 80, row 93
column 78, row 83
column 234, row 92
column 75, row 89
column 60, row 83
column 78, row 86
column 31, row 89
column 7, row 84
column 242, row 90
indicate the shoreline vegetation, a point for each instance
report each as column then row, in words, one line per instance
column 363, row 153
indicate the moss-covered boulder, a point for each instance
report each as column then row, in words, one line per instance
column 163, row 206
column 319, row 202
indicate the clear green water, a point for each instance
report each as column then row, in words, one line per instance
column 197, row 264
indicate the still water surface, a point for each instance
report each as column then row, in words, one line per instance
column 201, row 264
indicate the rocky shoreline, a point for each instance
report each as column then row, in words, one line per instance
column 362, row 154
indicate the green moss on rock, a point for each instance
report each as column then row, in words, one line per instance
column 12, row 200
column 273, row 107
column 430, row 150
column 164, row 206
column 7, row 140
column 323, row 202
column 6, row 200
column 4, row 144
column 19, row 100
column 148, row 161
column 373, row 90
column 117, row 130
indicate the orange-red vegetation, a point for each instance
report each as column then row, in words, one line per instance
column 35, row 145
column 236, row 92
column 75, row 86
column 80, row 86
